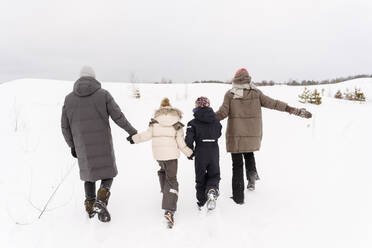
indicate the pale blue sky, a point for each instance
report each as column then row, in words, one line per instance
column 185, row 40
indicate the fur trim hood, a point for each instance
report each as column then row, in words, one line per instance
column 168, row 111
column 168, row 116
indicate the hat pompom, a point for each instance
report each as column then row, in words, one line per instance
column 165, row 103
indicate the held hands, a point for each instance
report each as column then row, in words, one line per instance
column 130, row 139
column 73, row 152
column 191, row 156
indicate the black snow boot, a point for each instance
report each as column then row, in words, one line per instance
column 199, row 205
column 237, row 201
column 100, row 205
column 89, row 207
column 169, row 216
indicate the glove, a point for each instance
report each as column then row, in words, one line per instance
column 130, row 139
column 302, row 112
column 191, row 157
column 73, row 152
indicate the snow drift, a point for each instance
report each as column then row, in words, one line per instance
column 315, row 188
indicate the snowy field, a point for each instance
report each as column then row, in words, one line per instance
column 315, row 188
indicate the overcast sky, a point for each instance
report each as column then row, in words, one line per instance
column 185, row 40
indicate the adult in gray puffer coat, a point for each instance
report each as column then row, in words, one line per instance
column 242, row 105
column 86, row 129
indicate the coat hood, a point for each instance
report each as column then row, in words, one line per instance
column 168, row 116
column 206, row 115
column 86, row 86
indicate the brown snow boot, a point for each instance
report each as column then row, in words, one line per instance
column 89, row 207
column 100, row 205
column 169, row 216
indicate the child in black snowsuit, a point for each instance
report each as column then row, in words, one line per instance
column 205, row 130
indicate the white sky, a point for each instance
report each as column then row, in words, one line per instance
column 185, row 40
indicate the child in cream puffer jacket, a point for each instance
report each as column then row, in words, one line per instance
column 167, row 135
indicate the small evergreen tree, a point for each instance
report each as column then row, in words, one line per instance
column 305, row 96
column 338, row 94
column 136, row 93
column 315, row 98
column 359, row 95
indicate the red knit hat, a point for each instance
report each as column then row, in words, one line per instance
column 241, row 70
column 202, row 102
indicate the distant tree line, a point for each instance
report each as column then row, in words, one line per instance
column 327, row 81
column 293, row 82
column 271, row 82
column 210, row 82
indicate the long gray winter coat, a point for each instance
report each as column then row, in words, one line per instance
column 85, row 126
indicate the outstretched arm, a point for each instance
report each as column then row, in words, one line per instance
column 270, row 103
column 117, row 116
column 224, row 110
column 66, row 129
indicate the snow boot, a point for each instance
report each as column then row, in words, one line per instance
column 89, row 207
column 251, row 186
column 169, row 216
column 212, row 196
column 100, row 205
column 240, row 202
column 252, row 181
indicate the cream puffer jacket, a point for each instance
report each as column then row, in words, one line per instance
column 166, row 132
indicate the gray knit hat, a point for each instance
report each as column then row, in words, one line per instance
column 87, row 71
column 242, row 77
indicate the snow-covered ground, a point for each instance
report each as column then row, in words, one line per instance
column 315, row 188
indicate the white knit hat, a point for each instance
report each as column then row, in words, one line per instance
column 87, row 71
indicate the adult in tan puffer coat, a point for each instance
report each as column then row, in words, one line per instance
column 167, row 135
column 242, row 106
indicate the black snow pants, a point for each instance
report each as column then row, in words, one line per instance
column 207, row 170
column 90, row 188
column 238, row 173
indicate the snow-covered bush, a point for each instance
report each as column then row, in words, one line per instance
column 305, row 96
column 136, row 93
column 338, row 95
column 315, row 98
column 310, row 97
column 356, row 95
column 359, row 95
column 135, row 90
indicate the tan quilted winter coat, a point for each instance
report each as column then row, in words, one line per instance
column 244, row 124
column 166, row 132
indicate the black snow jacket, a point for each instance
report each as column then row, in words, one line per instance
column 204, row 129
